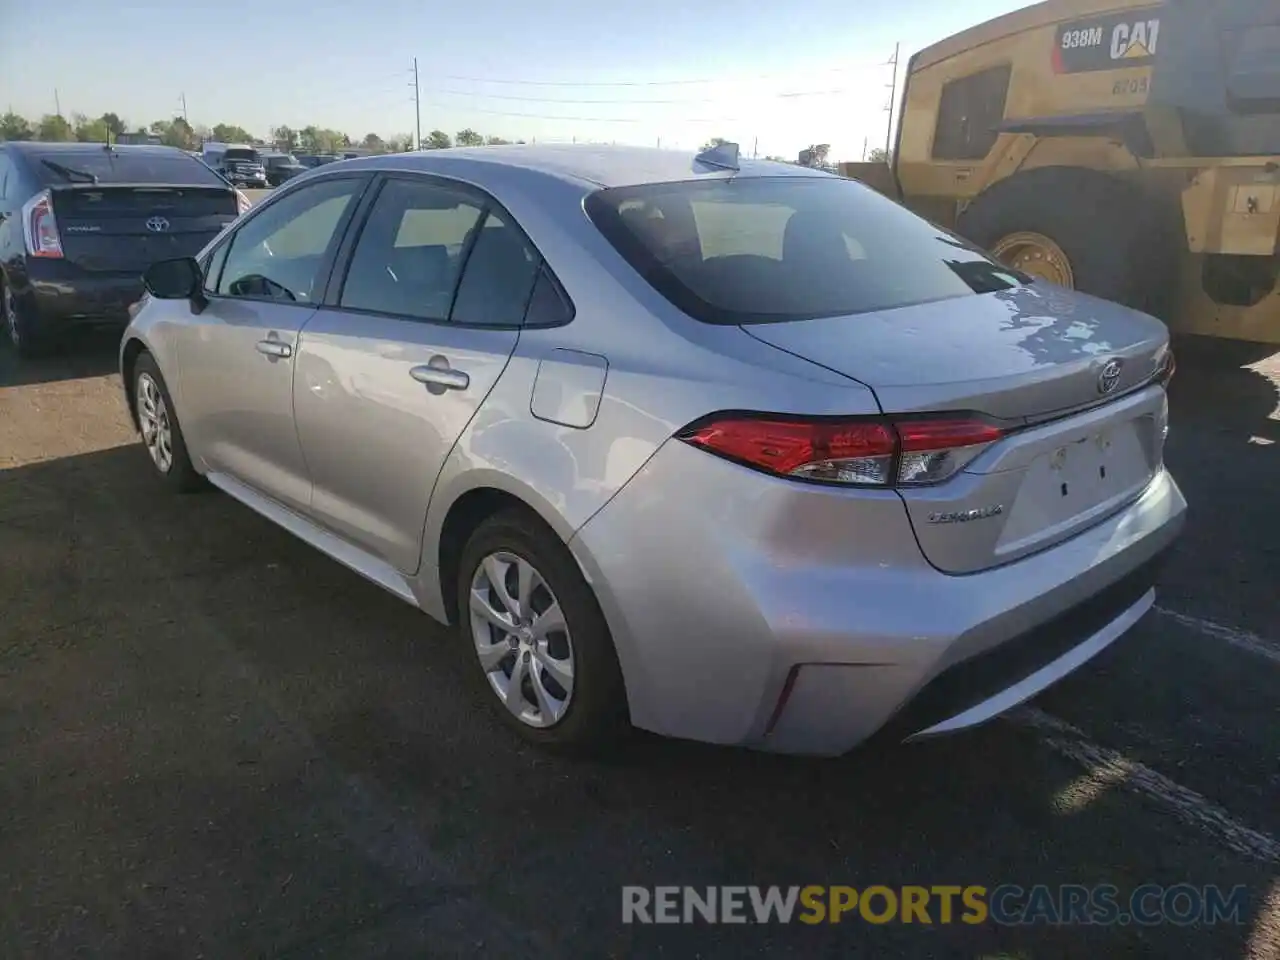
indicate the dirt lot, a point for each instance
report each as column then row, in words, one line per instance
column 215, row 742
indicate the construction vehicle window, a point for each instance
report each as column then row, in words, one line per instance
column 969, row 115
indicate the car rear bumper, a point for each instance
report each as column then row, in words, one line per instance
column 741, row 617
column 63, row 295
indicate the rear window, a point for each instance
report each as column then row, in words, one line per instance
column 241, row 154
column 122, row 166
column 762, row 249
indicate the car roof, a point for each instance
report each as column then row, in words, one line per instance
column 49, row 146
column 598, row 165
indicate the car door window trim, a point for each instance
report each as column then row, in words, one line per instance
column 328, row 259
column 487, row 204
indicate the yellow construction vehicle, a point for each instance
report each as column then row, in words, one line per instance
column 1124, row 148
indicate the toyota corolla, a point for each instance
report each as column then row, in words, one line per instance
column 727, row 450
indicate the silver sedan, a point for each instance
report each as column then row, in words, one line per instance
column 727, row 450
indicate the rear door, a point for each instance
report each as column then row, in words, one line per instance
column 390, row 375
column 237, row 354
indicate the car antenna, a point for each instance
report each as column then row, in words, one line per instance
column 723, row 155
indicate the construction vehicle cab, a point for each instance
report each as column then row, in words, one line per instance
column 1125, row 148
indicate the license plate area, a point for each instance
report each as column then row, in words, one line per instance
column 1078, row 481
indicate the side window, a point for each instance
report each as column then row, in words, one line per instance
column 498, row 278
column 409, row 255
column 5, row 175
column 969, row 115
column 549, row 306
column 278, row 254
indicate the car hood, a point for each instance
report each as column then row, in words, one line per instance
column 1019, row 353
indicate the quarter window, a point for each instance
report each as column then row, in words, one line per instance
column 280, row 253
column 409, row 255
column 499, row 276
column 970, row 113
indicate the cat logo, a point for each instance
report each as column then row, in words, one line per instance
column 1115, row 42
column 1135, row 41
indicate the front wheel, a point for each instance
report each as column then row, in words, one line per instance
column 161, row 432
column 543, row 651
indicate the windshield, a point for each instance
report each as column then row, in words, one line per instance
column 124, row 166
column 251, row 155
column 281, row 160
column 761, row 249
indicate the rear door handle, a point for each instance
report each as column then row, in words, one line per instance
column 440, row 377
column 275, row 348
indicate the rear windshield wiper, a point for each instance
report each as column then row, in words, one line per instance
column 71, row 173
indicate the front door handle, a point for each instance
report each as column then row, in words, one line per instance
column 440, row 376
column 275, row 348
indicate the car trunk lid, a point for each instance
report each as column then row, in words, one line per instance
column 127, row 227
column 1072, row 380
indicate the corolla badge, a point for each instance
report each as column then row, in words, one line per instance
column 157, row 224
column 1109, row 377
column 967, row 516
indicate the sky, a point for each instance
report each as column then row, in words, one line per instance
column 772, row 77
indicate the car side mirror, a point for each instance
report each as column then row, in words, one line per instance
column 179, row 279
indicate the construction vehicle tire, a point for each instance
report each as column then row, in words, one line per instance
column 1081, row 229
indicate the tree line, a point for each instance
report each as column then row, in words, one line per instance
column 177, row 132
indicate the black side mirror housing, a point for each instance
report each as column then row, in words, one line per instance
column 177, row 279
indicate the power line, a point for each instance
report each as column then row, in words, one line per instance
column 500, row 96
column 649, row 83
column 546, row 116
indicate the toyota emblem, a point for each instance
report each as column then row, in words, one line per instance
column 157, row 224
column 1110, row 376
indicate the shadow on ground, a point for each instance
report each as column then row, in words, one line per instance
column 215, row 741
column 89, row 354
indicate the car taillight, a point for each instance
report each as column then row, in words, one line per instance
column 40, row 228
column 874, row 452
column 933, row 450
column 243, row 203
column 1167, row 367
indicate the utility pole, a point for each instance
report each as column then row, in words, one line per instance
column 755, row 147
column 183, row 97
column 57, row 103
column 865, row 140
column 417, row 105
column 893, row 95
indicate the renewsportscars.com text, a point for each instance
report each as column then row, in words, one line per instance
column 1007, row 904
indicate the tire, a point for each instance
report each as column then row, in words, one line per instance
column 22, row 328
column 151, row 402
column 1121, row 245
column 595, row 714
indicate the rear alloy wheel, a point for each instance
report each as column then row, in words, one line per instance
column 18, row 328
column 521, row 639
column 538, row 637
column 161, row 433
column 11, row 318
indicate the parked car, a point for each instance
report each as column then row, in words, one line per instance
column 311, row 160
column 241, row 165
column 733, row 451
column 281, row 167
column 80, row 223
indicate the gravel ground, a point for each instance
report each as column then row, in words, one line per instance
column 215, row 742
